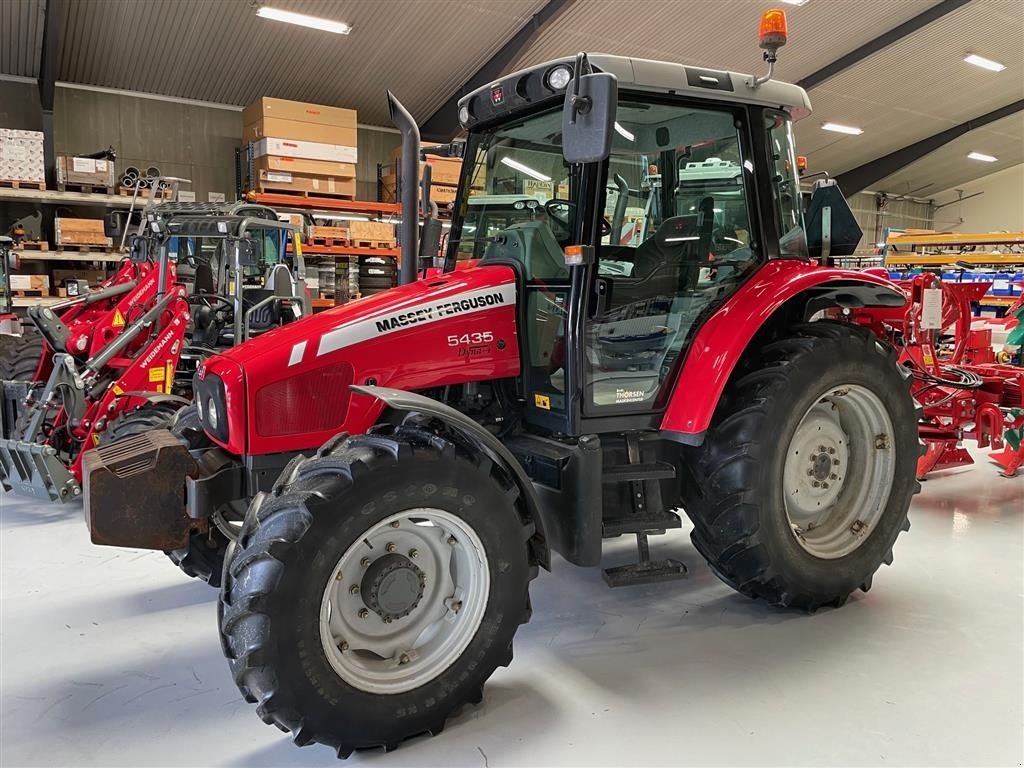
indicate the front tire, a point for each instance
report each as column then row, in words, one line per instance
column 804, row 480
column 341, row 616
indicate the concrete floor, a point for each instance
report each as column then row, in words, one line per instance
column 110, row 657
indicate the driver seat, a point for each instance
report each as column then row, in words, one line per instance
column 534, row 245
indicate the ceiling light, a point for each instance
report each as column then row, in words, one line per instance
column 837, row 128
column 795, row 2
column 981, row 61
column 515, row 164
column 288, row 17
column 623, row 132
column 984, row 158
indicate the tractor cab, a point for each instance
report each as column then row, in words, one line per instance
column 687, row 186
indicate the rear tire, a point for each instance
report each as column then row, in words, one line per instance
column 293, row 549
column 750, row 523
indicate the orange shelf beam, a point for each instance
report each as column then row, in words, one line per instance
column 323, row 203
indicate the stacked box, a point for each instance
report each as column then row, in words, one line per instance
column 35, row 283
column 302, row 148
column 444, row 176
column 21, row 155
column 85, row 171
column 80, row 232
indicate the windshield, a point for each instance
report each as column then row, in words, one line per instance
column 515, row 178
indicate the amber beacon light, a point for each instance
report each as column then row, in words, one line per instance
column 773, row 32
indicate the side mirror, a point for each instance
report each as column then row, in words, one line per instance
column 248, row 252
column 588, row 118
column 832, row 229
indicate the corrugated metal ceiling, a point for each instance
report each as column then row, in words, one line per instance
column 218, row 50
column 222, row 52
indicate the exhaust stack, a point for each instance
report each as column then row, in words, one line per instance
column 410, row 198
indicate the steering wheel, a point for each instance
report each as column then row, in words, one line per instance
column 561, row 210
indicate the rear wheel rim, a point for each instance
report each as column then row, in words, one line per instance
column 378, row 634
column 839, row 471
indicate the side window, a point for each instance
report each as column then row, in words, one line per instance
column 679, row 241
column 787, row 204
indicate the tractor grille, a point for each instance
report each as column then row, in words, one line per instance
column 315, row 401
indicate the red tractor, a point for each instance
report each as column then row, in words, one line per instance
column 393, row 473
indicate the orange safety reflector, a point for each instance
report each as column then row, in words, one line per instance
column 801, row 163
column 773, row 31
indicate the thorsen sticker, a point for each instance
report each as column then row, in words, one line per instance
column 393, row 320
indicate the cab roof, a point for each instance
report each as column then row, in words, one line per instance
column 526, row 87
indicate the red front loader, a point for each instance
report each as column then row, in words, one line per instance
column 392, row 473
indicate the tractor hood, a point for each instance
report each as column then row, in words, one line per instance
column 439, row 331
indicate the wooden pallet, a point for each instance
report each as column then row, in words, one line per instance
column 328, row 242
column 164, row 194
column 35, row 245
column 86, row 248
column 99, row 189
column 19, row 184
column 271, row 189
column 373, row 243
column 30, row 294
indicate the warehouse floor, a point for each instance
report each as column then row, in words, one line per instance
column 110, row 657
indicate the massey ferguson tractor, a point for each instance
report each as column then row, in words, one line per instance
column 392, row 473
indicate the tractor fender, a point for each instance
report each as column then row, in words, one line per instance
column 724, row 338
column 155, row 398
column 480, row 439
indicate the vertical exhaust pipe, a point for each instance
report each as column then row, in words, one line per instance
column 410, row 187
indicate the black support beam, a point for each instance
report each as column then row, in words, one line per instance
column 864, row 176
column 444, row 123
column 908, row 27
column 53, row 20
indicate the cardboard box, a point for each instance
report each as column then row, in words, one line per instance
column 21, row 155
column 297, row 182
column 300, row 111
column 306, row 150
column 312, row 167
column 294, row 129
column 31, row 283
column 79, row 232
column 85, row 171
column 442, row 194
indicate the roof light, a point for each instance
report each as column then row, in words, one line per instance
column 559, row 77
column 773, row 32
column 837, row 128
column 516, row 165
column 624, row 133
column 795, row 2
column 981, row 156
column 302, row 20
column 981, row 61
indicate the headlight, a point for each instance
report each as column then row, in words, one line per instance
column 559, row 77
column 211, row 414
column 464, row 115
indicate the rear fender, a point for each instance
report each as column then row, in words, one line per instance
column 783, row 291
column 480, row 439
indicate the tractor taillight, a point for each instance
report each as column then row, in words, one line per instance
column 773, row 31
column 315, row 401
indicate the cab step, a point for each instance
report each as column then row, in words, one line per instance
column 653, row 523
column 625, row 473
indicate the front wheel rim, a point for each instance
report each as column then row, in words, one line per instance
column 839, row 471
column 404, row 601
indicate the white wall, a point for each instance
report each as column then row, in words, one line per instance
column 1000, row 208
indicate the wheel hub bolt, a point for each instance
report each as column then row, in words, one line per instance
column 365, row 562
column 810, row 473
column 816, row 484
column 403, row 659
column 354, row 589
column 390, row 547
column 836, row 462
column 342, row 646
column 833, row 477
column 452, row 541
column 824, row 485
column 822, row 448
column 394, row 524
column 831, row 451
column 363, row 613
column 414, row 553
